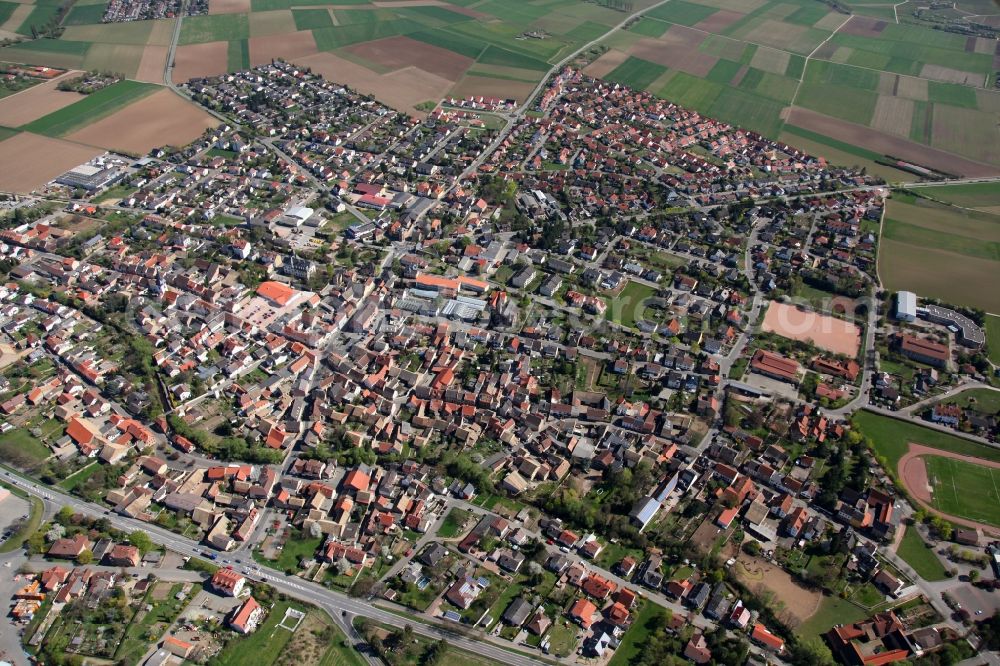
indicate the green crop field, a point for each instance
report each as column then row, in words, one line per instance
column 965, row 490
column 238, row 55
column 310, row 19
column 892, row 438
column 214, row 28
column 971, row 195
column 84, row 15
column 937, row 250
column 679, row 11
column 91, row 108
column 636, row 72
column 919, row 555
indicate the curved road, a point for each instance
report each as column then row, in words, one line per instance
column 338, row 605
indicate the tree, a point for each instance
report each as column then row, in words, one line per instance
column 973, row 575
column 86, row 557
column 141, row 540
column 811, row 652
column 64, row 516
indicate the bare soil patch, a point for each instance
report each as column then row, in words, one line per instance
column 799, row 602
column 676, row 53
column 606, row 64
column 823, row 331
column 160, row 119
column 913, row 473
column 480, row 85
column 912, row 87
column 893, row 115
column 35, row 102
column 864, row 26
column 154, row 60
column 198, row 60
column 860, row 135
column 162, row 33
column 398, row 52
column 949, row 75
column 719, row 21
column 771, row 60
column 290, row 46
column 229, row 6
column 402, row 89
column 39, row 159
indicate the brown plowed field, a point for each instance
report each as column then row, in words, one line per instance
column 876, row 141
column 913, row 474
column 229, row 7
column 198, row 60
column 35, row 102
column 39, row 159
column 160, row 119
column 154, row 59
column 290, row 46
column 864, row 26
column 719, row 21
column 399, row 52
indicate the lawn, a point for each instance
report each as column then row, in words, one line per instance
column 114, row 193
column 563, row 640
column 979, row 497
column 986, row 401
column 915, row 552
column 72, row 481
column 892, row 437
column 647, row 619
column 21, row 449
column 993, row 338
column 264, row 645
column 628, row 306
column 453, row 523
column 831, row 611
column 296, row 548
column 91, row 108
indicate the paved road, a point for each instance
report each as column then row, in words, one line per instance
column 335, row 603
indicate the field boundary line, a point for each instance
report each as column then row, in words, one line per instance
column 805, row 65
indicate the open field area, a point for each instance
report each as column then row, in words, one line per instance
column 796, row 602
column 915, row 551
column 91, row 108
column 982, row 196
column 831, row 610
column 628, row 306
column 40, row 100
column 892, row 438
column 39, row 159
column 162, row 118
column 905, row 91
column 963, row 488
column 823, row 331
column 993, row 337
column 938, row 250
column 983, row 400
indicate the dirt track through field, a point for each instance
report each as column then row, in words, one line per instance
column 913, row 473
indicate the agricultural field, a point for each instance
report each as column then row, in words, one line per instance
column 902, row 91
column 981, row 196
column 965, row 490
column 91, row 108
column 937, row 250
column 993, row 337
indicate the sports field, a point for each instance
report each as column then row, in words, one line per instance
column 964, row 489
column 892, row 438
column 91, row 108
column 939, row 250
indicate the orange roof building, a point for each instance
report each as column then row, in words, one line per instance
column 276, row 292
